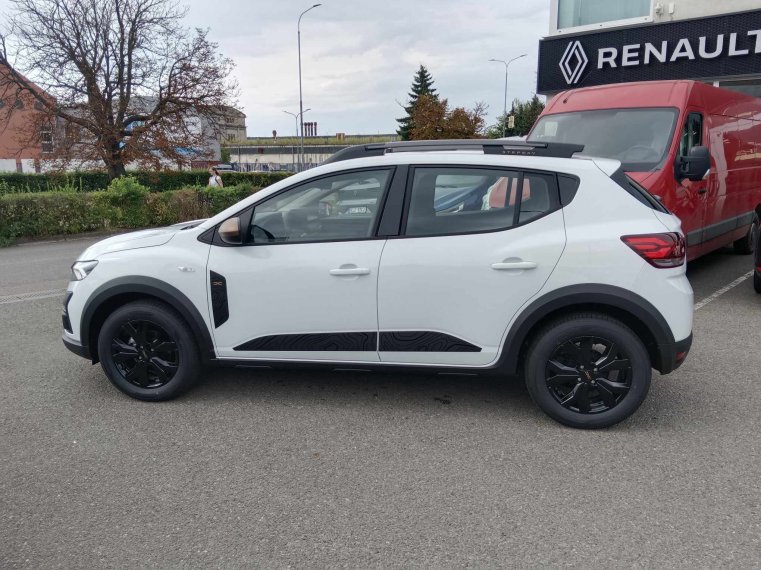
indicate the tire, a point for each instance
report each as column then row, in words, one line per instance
column 747, row 244
column 757, row 281
column 148, row 351
column 579, row 397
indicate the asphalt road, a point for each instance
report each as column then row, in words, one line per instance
column 302, row 469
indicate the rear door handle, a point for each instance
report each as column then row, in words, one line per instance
column 350, row 271
column 514, row 265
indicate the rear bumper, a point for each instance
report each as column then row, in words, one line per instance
column 673, row 355
column 76, row 347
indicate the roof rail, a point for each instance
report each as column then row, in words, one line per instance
column 488, row 146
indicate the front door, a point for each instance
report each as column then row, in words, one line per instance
column 303, row 286
column 478, row 244
column 693, row 195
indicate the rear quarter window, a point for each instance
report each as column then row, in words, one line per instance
column 638, row 191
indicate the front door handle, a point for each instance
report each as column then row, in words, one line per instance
column 702, row 190
column 350, row 271
column 514, row 265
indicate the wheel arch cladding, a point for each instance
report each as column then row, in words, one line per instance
column 112, row 295
column 631, row 309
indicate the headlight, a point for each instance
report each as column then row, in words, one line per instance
column 82, row 269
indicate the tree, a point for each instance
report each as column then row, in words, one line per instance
column 433, row 119
column 122, row 80
column 525, row 113
column 422, row 84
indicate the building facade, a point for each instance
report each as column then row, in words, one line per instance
column 596, row 42
column 25, row 138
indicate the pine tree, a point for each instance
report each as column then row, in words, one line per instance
column 421, row 85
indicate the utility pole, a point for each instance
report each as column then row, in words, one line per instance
column 504, row 112
column 301, row 99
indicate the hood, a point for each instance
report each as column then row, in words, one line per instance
column 136, row 240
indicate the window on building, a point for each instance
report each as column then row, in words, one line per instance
column 46, row 140
column 749, row 87
column 573, row 13
column 72, row 133
column 19, row 104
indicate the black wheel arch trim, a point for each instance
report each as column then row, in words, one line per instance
column 148, row 287
column 661, row 346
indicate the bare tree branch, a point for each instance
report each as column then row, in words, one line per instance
column 125, row 75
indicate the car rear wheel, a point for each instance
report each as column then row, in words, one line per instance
column 757, row 281
column 587, row 371
column 148, row 352
column 747, row 244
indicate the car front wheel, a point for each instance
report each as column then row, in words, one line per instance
column 148, row 351
column 588, row 371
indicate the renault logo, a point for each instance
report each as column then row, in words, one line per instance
column 573, row 63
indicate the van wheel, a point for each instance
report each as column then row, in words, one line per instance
column 747, row 244
column 148, row 352
column 587, row 371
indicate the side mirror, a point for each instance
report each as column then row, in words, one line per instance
column 695, row 165
column 230, row 231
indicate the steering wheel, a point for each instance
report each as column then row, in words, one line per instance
column 647, row 156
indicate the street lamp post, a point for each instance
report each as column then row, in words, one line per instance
column 301, row 101
column 504, row 112
column 296, row 116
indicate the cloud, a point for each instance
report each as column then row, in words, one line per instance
column 359, row 56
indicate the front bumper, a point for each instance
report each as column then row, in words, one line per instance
column 76, row 347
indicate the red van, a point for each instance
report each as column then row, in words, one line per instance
column 666, row 135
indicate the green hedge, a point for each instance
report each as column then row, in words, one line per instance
column 57, row 213
column 157, row 181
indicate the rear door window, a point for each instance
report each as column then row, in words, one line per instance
column 448, row 201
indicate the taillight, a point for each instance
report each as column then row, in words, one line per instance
column 659, row 250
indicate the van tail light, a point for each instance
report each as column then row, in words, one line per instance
column 659, row 250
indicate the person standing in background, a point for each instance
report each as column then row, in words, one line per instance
column 215, row 179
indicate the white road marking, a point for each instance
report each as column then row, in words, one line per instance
column 723, row 290
column 33, row 296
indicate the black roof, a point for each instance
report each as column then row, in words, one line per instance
column 488, row 146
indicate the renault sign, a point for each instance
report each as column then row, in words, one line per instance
column 724, row 46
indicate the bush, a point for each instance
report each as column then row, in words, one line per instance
column 159, row 181
column 124, row 205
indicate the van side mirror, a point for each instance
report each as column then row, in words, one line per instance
column 230, row 231
column 695, row 165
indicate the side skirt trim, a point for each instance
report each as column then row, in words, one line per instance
column 396, row 341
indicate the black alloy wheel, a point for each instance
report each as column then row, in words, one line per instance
column 144, row 354
column 589, row 374
column 148, row 351
column 587, row 370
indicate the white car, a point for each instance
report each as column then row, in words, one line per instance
column 451, row 256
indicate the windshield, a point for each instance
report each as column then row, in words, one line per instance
column 639, row 138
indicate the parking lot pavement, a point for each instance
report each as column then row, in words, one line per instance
column 309, row 469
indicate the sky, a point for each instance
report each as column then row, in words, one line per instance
column 359, row 56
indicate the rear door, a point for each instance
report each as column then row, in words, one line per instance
column 477, row 243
